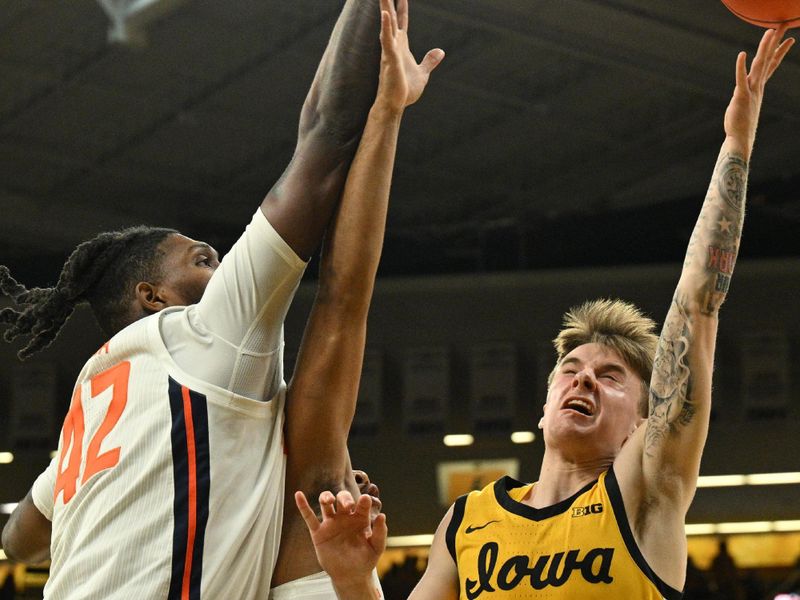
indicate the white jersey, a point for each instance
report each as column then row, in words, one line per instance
column 169, row 478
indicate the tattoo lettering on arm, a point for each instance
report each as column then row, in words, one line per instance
column 670, row 388
column 725, row 208
column 710, row 259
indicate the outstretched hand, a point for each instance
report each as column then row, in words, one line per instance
column 348, row 542
column 741, row 118
column 402, row 80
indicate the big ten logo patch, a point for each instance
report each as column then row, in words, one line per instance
column 582, row 511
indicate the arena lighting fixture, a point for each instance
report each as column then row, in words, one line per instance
column 773, row 478
column 752, row 479
column 7, row 509
column 743, row 527
column 6, row 458
column 700, row 528
column 458, row 439
column 408, row 541
column 720, row 480
column 3, row 555
column 523, row 437
column 787, row 526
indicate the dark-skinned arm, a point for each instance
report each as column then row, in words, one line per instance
column 26, row 535
column 299, row 206
column 322, row 394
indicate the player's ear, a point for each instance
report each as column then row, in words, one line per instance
column 150, row 297
column 541, row 421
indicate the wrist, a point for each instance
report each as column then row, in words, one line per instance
column 737, row 145
column 362, row 588
column 386, row 112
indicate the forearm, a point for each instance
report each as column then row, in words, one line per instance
column 300, row 204
column 353, row 248
column 680, row 391
column 714, row 245
column 26, row 535
column 345, row 82
column 324, row 389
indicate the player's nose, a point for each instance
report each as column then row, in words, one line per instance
column 584, row 379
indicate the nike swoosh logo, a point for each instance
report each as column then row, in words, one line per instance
column 470, row 528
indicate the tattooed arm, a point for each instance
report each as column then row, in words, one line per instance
column 658, row 469
column 680, row 389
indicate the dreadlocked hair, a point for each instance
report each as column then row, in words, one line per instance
column 618, row 325
column 101, row 271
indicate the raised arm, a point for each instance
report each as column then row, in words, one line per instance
column 680, row 391
column 322, row 394
column 300, row 204
column 658, row 468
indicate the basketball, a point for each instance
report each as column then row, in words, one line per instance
column 766, row 13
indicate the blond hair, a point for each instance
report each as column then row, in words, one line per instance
column 618, row 325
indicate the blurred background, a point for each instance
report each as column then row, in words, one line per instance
column 561, row 153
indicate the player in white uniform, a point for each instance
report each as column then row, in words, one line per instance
column 151, row 453
column 168, row 481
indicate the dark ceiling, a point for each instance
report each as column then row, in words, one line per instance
column 560, row 132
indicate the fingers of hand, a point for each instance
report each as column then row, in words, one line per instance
column 741, row 70
column 402, row 14
column 379, row 533
column 344, row 501
column 361, row 477
column 765, row 48
column 387, row 6
column 432, row 60
column 305, row 511
column 386, row 31
column 326, row 504
column 363, row 507
column 779, row 55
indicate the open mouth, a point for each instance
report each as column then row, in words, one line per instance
column 581, row 406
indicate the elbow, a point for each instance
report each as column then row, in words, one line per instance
column 12, row 550
column 28, row 548
column 335, row 122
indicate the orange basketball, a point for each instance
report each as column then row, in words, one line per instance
column 766, row 13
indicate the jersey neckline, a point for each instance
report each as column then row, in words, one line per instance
column 503, row 485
